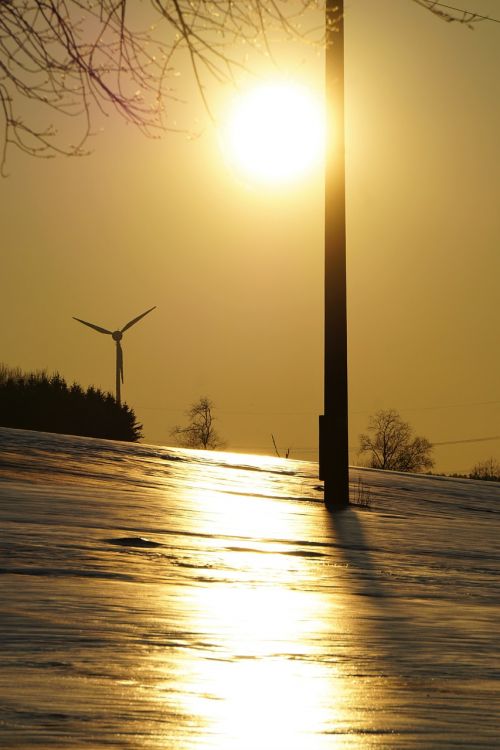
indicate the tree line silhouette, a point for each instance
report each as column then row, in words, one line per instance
column 38, row 401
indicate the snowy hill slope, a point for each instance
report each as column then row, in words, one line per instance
column 163, row 598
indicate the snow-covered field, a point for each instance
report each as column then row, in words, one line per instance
column 250, row 618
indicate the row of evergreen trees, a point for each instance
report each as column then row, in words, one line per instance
column 38, row 401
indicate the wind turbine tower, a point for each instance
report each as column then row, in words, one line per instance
column 117, row 337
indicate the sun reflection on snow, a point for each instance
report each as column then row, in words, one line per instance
column 236, row 503
column 262, row 682
column 257, row 677
column 273, row 704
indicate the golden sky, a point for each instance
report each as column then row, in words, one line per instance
column 236, row 271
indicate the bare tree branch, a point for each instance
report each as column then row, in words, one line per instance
column 63, row 59
column 450, row 14
column 72, row 58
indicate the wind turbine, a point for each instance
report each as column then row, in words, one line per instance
column 117, row 337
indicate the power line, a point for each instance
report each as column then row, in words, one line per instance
column 469, row 440
column 238, row 413
column 474, row 16
column 355, row 448
column 462, row 405
column 469, row 16
column 448, row 406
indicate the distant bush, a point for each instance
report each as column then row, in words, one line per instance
column 488, row 470
column 38, row 401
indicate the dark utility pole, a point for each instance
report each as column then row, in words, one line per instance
column 333, row 434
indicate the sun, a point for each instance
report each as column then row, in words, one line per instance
column 274, row 133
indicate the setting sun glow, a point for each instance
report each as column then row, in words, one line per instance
column 274, row 133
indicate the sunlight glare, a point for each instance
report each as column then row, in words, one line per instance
column 264, row 683
column 252, row 643
column 275, row 133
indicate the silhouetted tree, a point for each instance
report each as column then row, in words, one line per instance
column 199, row 432
column 66, row 58
column 391, row 445
column 37, row 401
column 487, row 470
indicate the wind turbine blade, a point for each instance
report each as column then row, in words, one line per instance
column 91, row 325
column 120, row 359
column 136, row 320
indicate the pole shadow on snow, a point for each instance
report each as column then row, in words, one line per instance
column 380, row 619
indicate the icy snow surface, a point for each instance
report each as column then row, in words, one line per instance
column 155, row 598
